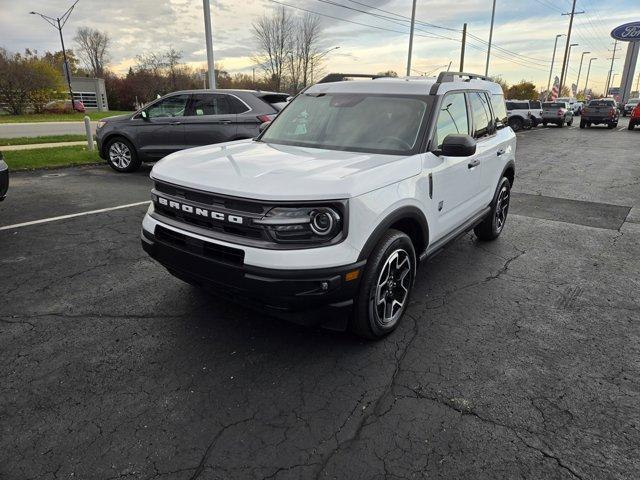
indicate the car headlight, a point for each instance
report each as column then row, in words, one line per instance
column 309, row 224
column 100, row 124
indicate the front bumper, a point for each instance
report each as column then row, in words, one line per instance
column 308, row 297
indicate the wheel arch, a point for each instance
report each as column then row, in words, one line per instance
column 111, row 136
column 409, row 220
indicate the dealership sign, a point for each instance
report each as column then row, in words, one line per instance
column 629, row 32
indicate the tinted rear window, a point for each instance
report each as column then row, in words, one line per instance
column 602, row 103
column 517, row 106
column 272, row 98
column 554, row 105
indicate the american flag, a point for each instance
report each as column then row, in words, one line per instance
column 555, row 89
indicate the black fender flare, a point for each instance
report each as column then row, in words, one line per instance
column 510, row 165
column 406, row 212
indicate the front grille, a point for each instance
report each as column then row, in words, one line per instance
column 220, row 201
column 219, row 253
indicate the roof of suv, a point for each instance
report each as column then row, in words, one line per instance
column 408, row 85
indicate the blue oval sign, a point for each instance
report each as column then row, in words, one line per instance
column 629, row 32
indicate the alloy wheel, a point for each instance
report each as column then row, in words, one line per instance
column 120, row 155
column 502, row 207
column 392, row 288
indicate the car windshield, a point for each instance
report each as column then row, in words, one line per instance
column 353, row 122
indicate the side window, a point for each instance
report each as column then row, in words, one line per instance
column 173, row 106
column 452, row 118
column 535, row 105
column 482, row 123
column 236, row 105
column 511, row 106
column 210, row 104
column 499, row 109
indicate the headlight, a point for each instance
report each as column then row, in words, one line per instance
column 313, row 224
column 100, row 124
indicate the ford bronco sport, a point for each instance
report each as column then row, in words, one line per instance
column 326, row 215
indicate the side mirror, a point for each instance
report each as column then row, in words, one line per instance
column 458, row 145
column 144, row 115
column 263, row 126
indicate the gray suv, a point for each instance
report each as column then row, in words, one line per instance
column 182, row 120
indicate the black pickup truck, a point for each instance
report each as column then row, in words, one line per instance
column 600, row 112
column 4, row 178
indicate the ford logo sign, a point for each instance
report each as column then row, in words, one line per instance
column 629, row 32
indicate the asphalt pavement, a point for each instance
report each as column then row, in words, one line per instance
column 517, row 358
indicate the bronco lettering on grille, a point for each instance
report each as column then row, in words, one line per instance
column 201, row 212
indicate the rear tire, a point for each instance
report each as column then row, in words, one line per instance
column 561, row 124
column 569, row 123
column 121, row 155
column 544, row 124
column 583, row 124
column 516, row 124
column 610, row 126
column 492, row 226
column 385, row 288
column 632, row 125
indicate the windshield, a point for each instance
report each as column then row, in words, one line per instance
column 353, row 122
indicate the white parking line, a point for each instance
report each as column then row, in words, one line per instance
column 72, row 215
column 622, row 128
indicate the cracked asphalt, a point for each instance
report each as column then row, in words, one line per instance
column 518, row 359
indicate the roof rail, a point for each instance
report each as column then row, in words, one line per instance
column 451, row 76
column 339, row 77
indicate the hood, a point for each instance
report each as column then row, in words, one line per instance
column 117, row 118
column 265, row 171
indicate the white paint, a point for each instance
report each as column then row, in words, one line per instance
column 72, row 215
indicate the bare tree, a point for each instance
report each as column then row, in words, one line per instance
column 151, row 62
column 308, row 38
column 92, row 49
column 273, row 38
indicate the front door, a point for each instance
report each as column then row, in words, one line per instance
column 210, row 120
column 457, row 180
column 163, row 131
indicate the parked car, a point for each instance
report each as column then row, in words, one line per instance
column 600, row 112
column 4, row 178
column 182, row 120
column 574, row 105
column 64, row 106
column 629, row 106
column 558, row 113
column 519, row 114
column 635, row 117
column 325, row 216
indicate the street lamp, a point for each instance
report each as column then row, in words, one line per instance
column 580, row 71
column 318, row 57
column 553, row 58
column 567, row 66
column 588, row 72
column 58, row 23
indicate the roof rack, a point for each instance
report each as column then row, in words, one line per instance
column 451, row 77
column 339, row 77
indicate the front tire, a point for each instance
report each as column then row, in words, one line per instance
column 491, row 227
column 121, row 155
column 385, row 287
column 516, row 124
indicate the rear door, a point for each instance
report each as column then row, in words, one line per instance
column 163, row 132
column 210, row 120
column 457, row 180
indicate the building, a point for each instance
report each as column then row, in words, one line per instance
column 91, row 92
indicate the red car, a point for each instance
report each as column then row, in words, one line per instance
column 635, row 117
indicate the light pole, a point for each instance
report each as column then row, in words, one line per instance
column 318, row 57
column 58, row 23
column 209, row 42
column 580, row 71
column 566, row 69
column 493, row 16
column 588, row 72
column 413, row 22
column 553, row 58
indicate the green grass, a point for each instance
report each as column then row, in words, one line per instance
column 50, row 157
column 5, row 142
column 56, row 117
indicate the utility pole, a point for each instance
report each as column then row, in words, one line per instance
column 493, row 16
column 553, row 58
column 566, row 48
column 613, row 59
column 464, row 44
column 58, row 23
column 566, row 74
column 413, row 23
column 580, row 71
column 209, row 42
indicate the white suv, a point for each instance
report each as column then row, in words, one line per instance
column 325, row 216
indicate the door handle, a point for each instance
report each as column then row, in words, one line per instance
column 500, row 152
column 176, row 123
column 225, row 122
column 473, row 164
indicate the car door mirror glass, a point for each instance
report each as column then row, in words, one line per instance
column 458, row 145
column 144, row 115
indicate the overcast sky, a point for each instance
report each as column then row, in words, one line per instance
column 526, row 27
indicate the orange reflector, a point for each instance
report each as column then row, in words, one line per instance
column 353, row 275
